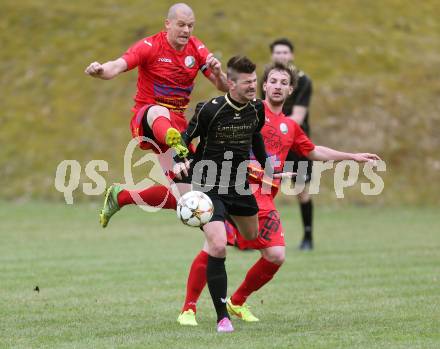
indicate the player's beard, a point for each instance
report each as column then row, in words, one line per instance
column 277, row 101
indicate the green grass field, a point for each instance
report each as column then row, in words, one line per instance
column 372, row 282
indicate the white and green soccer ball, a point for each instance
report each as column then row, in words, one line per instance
column 195, row 209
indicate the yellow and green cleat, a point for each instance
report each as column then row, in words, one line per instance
column 111, row 205
column 174, row 140
column 187, row 318
column 241, row 311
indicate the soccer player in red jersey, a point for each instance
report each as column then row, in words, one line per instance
column 280, row 135
column 297, row 107
column 168, row 63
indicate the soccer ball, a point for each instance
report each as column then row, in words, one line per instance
column 195, row 209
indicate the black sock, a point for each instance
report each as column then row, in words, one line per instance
column 218, row 284
column 307, row 218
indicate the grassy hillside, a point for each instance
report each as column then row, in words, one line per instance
column 374, row 65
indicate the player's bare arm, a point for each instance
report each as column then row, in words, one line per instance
column 107, row 70
column 217, row 77
column 321, row 153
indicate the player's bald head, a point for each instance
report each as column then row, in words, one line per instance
column 180, row 9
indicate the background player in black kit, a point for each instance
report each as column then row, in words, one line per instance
column 297, row 108
column 228, row 126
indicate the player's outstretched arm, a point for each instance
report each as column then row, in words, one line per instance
column 107, row 70
column 321, row 153
column 217, row 77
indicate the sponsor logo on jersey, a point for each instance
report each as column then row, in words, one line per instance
column 148, row 43
column 172, row 91
column 165, row 60
column 200, row 47
column 190, row 61
column 283, row 128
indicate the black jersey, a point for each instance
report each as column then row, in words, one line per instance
column 301, row 96
column 227, row 130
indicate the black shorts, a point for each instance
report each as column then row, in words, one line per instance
column 302, row 175
column 232, row 204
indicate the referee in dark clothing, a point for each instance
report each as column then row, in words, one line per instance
column 297, row 108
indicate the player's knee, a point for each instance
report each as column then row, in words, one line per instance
column 217, row 246
column 304, row 197
column 154, row 112
column 277, row 257
column 217, row 249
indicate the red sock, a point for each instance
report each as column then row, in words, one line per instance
column 157, row 195
column 196, row 281
column 159, row 127
column 257, row 276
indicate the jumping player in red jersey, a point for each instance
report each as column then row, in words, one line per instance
column 281, row 135
column 168, row 63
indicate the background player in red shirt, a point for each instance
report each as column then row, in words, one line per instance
column 280, row 135
column 168, row 63
column 296, row 107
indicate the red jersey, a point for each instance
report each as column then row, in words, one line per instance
column 281, row 135
column 166, row 76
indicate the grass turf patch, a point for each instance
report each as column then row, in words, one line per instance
column 372, row 281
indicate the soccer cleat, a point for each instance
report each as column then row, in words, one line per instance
column 187, row 318
column 306, row 245
column 241, row 311
column 224, row 326
column 174, row 140
column 111, row 205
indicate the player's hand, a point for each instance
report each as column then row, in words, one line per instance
column 365, row 157
column 214, row 64
column 282, row 175
column 95, row 69
column 181, row 168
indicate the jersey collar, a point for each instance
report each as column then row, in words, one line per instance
column 237, row 106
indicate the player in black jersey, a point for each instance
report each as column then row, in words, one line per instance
column 297, row 108
column 229, row 127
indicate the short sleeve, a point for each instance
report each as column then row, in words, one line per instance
column 202, row 54
column 198, row 124
column 261, row 115
column 138, row 54
column 302, row 145
column 304, row 95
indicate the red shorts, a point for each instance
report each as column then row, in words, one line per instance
column 270, row 232
column 177, row 120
